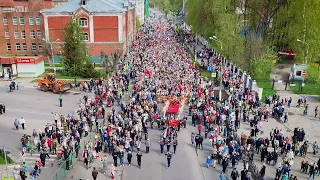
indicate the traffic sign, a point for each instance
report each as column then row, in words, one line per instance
column 304, row 73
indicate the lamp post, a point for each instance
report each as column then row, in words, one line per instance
column 307, row 49
column 51, row 49
column 214, row 38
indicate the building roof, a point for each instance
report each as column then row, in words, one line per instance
column 95, row 6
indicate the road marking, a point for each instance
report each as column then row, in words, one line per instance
column 30, row 112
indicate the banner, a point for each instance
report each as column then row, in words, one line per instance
column 173, row 122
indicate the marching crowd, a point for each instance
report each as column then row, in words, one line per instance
column 62, row 137
column 159, row 66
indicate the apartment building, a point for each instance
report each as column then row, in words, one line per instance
column 22, row 26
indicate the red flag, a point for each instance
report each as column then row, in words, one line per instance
column 173, row 122
column 148, row 72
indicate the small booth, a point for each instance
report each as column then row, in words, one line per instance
column 8, row 66
column 30, row 66
column 298, row 71
column 21, row 66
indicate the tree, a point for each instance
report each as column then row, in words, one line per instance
column 75, row 56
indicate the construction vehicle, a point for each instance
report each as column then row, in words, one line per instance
column 49, row 83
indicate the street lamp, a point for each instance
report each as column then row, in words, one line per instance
column 51, row 48
column 214, row 38
column 307, row 49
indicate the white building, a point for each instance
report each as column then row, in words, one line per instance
column 140, row 10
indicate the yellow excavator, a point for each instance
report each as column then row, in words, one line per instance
column 49, row 83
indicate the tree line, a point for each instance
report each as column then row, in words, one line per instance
column 253, row 31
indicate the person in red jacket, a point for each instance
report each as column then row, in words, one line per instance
column 49, row 142
column 200, row 128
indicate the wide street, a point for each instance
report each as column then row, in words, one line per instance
column 36, row 108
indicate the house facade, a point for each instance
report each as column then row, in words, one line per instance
column 108, row 25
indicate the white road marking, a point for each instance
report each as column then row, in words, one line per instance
column 30, row 112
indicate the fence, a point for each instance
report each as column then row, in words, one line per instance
column 67, row 165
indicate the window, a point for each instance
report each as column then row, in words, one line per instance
column 83, row 22
column 24, row 46
column 83, row 2
column 298, row 73
column 39, row 34
column 16, row 34
column 14, row 20
column 31, row 22
column 8, row 47
column 21, row 19
column 23, row 34
column 18, row 48
column 7, row 35
column 85, row 37
column 5, row 21
column 38, row 20
column 32, row 34
column 34, row 46
column 40, row 47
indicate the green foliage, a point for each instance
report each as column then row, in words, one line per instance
column 167, row 5
column 263, row 65
column 313, row 73
column 75, row 57
column 298, row 20
column 138, row 24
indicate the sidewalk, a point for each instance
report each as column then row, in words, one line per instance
column 287, row 131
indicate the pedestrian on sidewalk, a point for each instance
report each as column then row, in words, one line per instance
column 94, row 173
column 316, row 110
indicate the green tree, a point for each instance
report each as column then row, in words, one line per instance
column 75, row 57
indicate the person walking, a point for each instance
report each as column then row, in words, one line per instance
column 129, row 157
column 43, row 158
column 16, row 124
column 222, row 176
column 169, row 156
column 316, row 110
column 121, row 157
column 161, row 144
column 94, row 173
column 22, row 122
column 115, row 158
column 175, row 144
column 148, row 144
column 139, row 157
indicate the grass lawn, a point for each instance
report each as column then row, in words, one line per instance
column 266, row 84
column 56, row 65
column 2, row 160
column 309, row 88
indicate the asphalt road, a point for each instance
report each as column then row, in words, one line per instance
column 35, row 107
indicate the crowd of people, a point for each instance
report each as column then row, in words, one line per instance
column 61, row 137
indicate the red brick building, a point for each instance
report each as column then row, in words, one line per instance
column 22, row 26
column 108, row 25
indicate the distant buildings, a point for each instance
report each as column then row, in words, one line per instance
column 108, row 25
column 21, row 33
